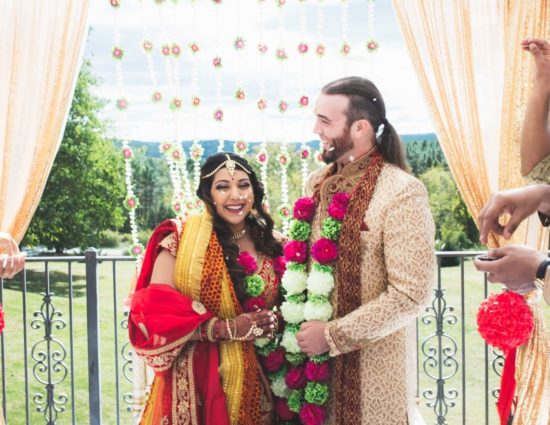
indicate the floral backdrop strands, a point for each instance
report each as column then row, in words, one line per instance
column 217, row 63
column 303, row 102
column 345, row 48
column 307, row 295
column 131, row 202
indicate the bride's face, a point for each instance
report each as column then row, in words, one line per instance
column 233, row 197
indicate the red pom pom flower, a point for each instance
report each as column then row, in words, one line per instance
column 247, row 262
column 295, row 378
column 2, row 323
column 304, row 209
column 317, row 372
column 339, row 205
column 283, row 411
column 312, row 414
column 324, row 251
column 252, row 304
column 274, row 360
column 505, row 321
column 296, row 251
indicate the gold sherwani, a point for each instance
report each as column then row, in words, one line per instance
column 397, row 274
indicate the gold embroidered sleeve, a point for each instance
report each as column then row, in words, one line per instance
column 541, row 172
column 162, row 358
column 546, row 287
column 409, row 260
column 170, row 243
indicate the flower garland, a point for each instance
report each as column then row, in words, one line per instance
column 307, row 298
column 272, row 356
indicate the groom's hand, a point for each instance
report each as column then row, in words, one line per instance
column 311, row 338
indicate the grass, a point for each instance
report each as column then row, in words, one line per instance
column 14, row 353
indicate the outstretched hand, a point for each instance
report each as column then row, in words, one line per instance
column 519, row 203
column 11, row 260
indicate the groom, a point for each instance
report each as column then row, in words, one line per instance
column 386, row 262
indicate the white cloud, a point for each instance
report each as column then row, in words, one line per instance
column 215, row 29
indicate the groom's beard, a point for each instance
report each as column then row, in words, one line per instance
column 339, row 146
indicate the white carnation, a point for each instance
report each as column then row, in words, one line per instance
column 294, row 282
column 279, row 387
column 289, row 342
column 293, row 312
column 317, row 311
column 320, row 283
column 261, row 342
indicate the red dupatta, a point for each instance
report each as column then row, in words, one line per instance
column 186, row 388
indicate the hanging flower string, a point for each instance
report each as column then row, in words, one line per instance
column 307, row 298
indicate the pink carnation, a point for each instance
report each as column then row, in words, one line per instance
column 247, row 262
column 283, row 411
column 304, row 209
column 318, row 372
column 252, row 304
column 312, row 414
column 324, row 251
column 296, row 251
column 339, row 205
column 295, row 378
column 274, row 360
column 279, row 265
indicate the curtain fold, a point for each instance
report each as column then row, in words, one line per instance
column 41, row 47
column 476, row 80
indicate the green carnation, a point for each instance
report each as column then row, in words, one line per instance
column 254, row 285
column 316, row 393
column 323, row 268
column 317, row 298
column 295, row 400
column 293, row 327
column 296, row 298
column 331, row 228
column 296, row 359
column 320, row 358
column 264, row 350
column 296, row 267
column 280, row 374
column 300, row 230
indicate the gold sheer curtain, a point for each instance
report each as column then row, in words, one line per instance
column 41, row 46
column 476, row 81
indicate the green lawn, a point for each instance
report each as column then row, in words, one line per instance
column 14, row 352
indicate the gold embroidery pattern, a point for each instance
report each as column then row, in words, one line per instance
column 184, row 408
column 161, row 359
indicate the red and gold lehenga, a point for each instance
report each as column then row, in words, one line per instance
column 197, row 382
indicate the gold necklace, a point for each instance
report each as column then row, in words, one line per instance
column 239, row 235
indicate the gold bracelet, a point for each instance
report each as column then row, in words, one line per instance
column 210, row 328
column 252, row 330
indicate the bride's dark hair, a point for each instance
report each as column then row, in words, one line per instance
column 260, row 226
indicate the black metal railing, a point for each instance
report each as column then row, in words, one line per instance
column 72, row 362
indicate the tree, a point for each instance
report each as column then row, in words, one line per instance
column 423, row 155
column 455, row 229
column 85, row 191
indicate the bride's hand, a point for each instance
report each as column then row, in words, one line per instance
column 257, row 324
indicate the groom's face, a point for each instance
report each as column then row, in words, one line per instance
column 331, row 126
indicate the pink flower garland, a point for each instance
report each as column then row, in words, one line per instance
column 324, row 252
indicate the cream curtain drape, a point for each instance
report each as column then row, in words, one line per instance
column 41, row 46
column 476, row 81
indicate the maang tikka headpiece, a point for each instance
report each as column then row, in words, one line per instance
column 230, row 164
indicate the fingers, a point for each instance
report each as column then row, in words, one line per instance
column 489, row 219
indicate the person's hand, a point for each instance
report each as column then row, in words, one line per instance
column 311, row 338
column 241, row 326
column 516, row 266
column 519, row 203
column 11, row 260
column 540, row 49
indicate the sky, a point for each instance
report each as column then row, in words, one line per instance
column 215, row 28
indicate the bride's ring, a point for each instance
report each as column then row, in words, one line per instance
column 256, row 330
